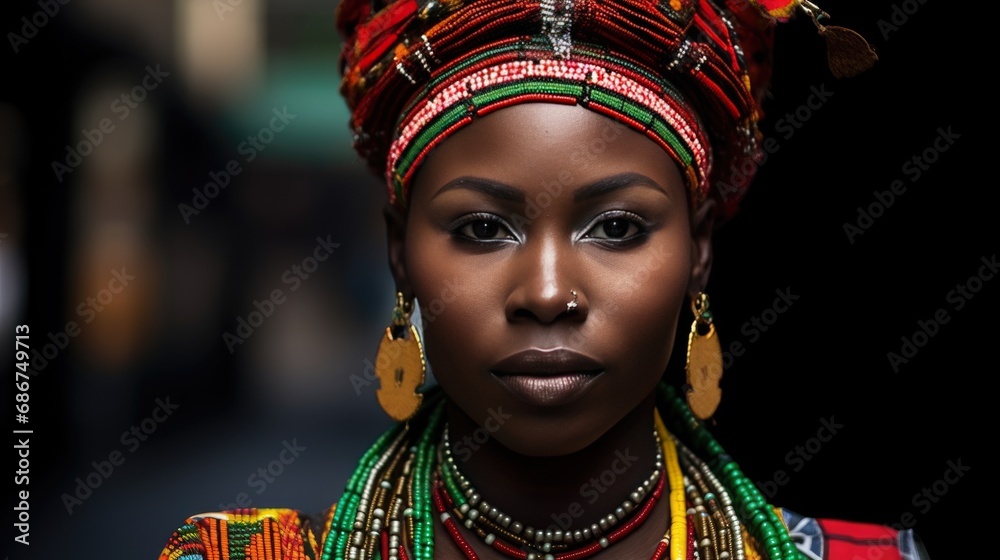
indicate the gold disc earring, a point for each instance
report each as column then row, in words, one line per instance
column 704, row 361
column 400, row 365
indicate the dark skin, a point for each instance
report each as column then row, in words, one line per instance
column 498, row 233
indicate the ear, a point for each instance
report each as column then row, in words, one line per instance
column 702, row 226
column 395, row 223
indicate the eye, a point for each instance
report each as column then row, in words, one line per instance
column 482, row 227
column 617, row 226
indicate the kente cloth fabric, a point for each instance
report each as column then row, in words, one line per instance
column 286, row 534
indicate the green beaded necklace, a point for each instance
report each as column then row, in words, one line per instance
column 751, row 507
column 390, row 490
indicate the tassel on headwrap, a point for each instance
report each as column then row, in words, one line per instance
column 848, row 53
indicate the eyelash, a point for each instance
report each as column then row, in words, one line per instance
column 641, row 225
column 473, row 218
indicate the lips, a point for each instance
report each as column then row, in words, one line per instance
column 547, row 377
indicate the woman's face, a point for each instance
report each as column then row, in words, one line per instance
column 510, row 215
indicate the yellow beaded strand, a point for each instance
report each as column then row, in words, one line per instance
column 678, row 508
column 750, row 546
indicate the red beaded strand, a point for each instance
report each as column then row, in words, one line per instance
column 449, row 523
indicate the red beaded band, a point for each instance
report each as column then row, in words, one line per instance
column 684, row 129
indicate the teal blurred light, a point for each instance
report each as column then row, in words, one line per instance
column 308, row 85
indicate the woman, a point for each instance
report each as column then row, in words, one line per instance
column 556, row 170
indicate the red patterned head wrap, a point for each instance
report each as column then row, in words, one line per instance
column 689, row 74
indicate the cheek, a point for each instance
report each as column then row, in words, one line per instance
column 451, row 295
column 639, row 310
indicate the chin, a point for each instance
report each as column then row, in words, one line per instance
column 550, row 438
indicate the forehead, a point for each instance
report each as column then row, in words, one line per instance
column 529, row 144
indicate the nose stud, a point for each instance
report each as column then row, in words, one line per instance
column 571, row 306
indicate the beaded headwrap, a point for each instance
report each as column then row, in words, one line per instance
column 689, row 74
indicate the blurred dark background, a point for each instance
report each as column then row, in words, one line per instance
column 178, row 86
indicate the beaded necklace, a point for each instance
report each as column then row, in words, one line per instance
column 716, row 512
column 456, row 499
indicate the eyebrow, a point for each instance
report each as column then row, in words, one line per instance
column 598, row 188
column 488, row 187
column 616, row 182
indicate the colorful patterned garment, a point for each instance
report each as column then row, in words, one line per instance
column 285, row 534
column 401, row 512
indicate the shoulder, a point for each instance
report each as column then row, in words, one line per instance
column 254, row 534
column 835, row 539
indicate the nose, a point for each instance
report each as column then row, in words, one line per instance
column 546, row 276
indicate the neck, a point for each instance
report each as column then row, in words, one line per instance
column 567, row 492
